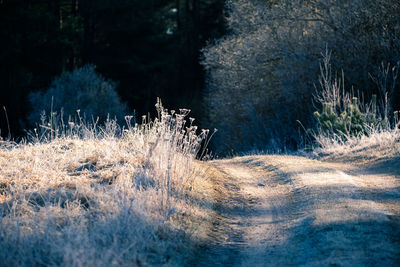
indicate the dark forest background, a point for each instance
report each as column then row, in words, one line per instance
column 247, row 67
column 149, row 48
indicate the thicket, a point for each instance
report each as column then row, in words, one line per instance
column 262, row 76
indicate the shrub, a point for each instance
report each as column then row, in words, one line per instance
column 347, row 122
column 352, row 128
column 82, row 89
column 343, row 114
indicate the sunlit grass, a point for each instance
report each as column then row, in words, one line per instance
column 377, row 144
column 84, row 195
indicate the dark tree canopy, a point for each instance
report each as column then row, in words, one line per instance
column 151, row 48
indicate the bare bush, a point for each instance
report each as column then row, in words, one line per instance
column 82, row 89
column 261, row 76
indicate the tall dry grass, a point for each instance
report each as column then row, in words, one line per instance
column 378, row 134
column 79, row 194
column 379, row 144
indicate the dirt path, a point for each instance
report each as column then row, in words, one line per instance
column 287, row 210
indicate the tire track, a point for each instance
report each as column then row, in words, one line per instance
column 286, row 210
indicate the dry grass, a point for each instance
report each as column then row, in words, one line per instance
column 111, row 197
column 379, row 146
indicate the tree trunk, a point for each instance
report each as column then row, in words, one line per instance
column 178, row 14
column 89, row 30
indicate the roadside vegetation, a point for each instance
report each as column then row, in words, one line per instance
column 82, row 194
column 348, row 126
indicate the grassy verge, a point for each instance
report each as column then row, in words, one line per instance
column 379, row 149
column 356, row 131
column 82, row 195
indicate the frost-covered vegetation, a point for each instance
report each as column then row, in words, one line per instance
column 349, row 127
column 81, row 194
column 262, row 75
column 377, row 145
column 83, row 89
